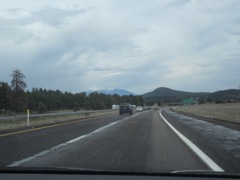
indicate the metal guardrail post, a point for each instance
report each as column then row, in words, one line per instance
column 27, row 117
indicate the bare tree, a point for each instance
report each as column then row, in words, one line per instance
column 18, row 86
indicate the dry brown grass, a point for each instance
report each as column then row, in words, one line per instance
column 226, row 112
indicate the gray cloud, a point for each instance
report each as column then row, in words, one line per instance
column 176, row 4
column 138, row 46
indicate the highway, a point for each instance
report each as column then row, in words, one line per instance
column 143, row 142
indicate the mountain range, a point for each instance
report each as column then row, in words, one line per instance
column 120, row 92
column 167, row 95
column 164, row 94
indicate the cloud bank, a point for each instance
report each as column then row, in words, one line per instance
column 136, row 45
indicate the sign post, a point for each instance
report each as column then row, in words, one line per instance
column 27, row 117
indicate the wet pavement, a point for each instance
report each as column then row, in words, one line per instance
column 210, row 135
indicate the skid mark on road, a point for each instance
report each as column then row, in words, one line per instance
column 209, row 162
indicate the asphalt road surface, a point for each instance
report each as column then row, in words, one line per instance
column 143, row 142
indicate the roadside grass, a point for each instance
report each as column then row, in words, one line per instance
column 12, row 113
column 36, row 121
column 226, row 112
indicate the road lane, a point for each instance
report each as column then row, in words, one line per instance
column 20, row 146
column 221, row 144
column 210, row 163
column 140, row 143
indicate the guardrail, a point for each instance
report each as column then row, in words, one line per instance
column 24, row 117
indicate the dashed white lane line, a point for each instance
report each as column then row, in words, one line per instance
column 208, row 161
column 17, row 163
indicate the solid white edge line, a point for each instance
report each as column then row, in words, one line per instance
column 17, row 163
column 209, row 162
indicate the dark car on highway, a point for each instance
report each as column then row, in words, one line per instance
column 156, row 108
column 125, row 108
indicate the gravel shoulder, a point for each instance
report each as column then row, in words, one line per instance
column 218, row 139
column 231, row 125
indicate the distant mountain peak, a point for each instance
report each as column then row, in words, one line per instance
column 112, row 91
column 163, row 88
column 167, row 95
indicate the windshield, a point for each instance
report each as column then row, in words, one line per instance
column 68, row 68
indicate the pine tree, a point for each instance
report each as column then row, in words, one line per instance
column 18, row 86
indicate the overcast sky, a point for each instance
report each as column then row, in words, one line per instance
column 191, row 45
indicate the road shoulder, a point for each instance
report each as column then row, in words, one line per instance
column 231, row 125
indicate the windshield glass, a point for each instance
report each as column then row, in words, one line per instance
column 120, row 86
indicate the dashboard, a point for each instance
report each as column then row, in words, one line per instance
column 87, row 175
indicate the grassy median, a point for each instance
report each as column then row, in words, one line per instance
column 36, row 121
column 226, row 112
